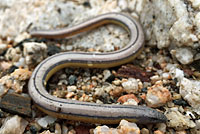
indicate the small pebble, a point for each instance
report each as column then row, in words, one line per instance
column 125, row 98
column 45, row 121
column 110, row 78
column 13, row 125
column 180, row 102
column 117, row 82
column 34, row 52
column 62, row 82
column 155, row 78
column 128, row 127
column 20, row 63
column 144, row 131
column 72, row 131
column 197, row 124
column 184, row 55
column 12, row 69
column 99, row 92
column 157, row 95
column 181, row 132
column 71, row 88
column 158, row 132
column 3, row 90
column 46, row 132
column 72, row 79
column 106, row 74
column 131, row 102
column 21, row 74
column 178, row 121
column 86, row 98
column 35, row 128
column 190, row 91
column 108, row 88
column 161, row 127
column 166, row 76
column 176, row 96
column 82, row 129
column 70, row 95
column 13, row 54
column 60, row 93
column 64, row 129
column 5, row 65
column 58, row 129
column 124, row 127
column 53, row 49
column 63, row 76
column 16, row 80
column 3, row 47
column 116, row 92
column 130, row 86
column 144, row 90
column 123, row 4
column 99, row 102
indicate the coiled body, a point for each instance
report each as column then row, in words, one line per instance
column 84, row 111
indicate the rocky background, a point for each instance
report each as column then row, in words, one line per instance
column 170, row 62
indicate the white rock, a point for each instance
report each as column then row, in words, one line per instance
column 20, row 63
column 124, row 127
column 3, row 47
column 13, row 54
column 184, row 55
column 178, row 120
column 116, row 82
column 107, row 47
column 140, row 5
column 106, row 74
column 157, row 95
column 197, row 21
column 64, row 129
column 190, row 91
column 63, row 76
column 101, row 129
column 195, row 3
column 155, row 78
column 128, row 127
column 58, row 129
column 46, row 132
column 45, row 121
column 130, row 86
column 197, row 124
column 181, row 30
column 99, row 102
column 3, row 89
column 162, row 127
column 34, row 52
column 61, row 82
column 71, row 88
column 166, row 76
column 176, row 73
column 108, row 88
column 21, row 37
column 131, row 102
column 157, row 18
column 13, row 125
column 171, row 66
column 123, row 4
column 41, row 15
column 99, row 91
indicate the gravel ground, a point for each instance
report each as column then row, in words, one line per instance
column 165, row 76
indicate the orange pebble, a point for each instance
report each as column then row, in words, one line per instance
column 125, row 98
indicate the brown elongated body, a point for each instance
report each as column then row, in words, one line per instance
column 84, row 111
